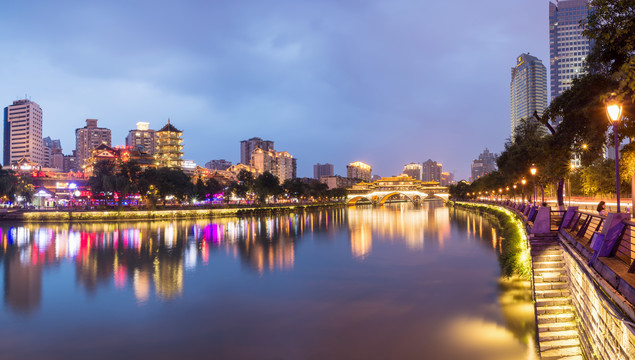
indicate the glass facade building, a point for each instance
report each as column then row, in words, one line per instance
column 568, row 48
column 528, row 89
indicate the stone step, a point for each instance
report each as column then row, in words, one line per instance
column 541, row 294
column 558, row 344
column 546, row 257
column 552, row 285
column 556, row 301
column 557, row 335
column 542, row 270
column 549, row 249
column 548, row 265
column 554, row 309
column 573, row 352
column 556, row 327
column 555, row 318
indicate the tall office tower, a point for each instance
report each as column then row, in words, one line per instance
column 320, row 170
column 413, row 170
column 218, row 164
column 88, row 138
column 568, row 48
column 169, row 151
column 431, row 171
column 528, row 90
column 482, row 166
column 248, row 146
column 359, row 170
column 48, row 146
column 23, row 132
column 142, row 138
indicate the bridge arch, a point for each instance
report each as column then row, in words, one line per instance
column 389, row 195
column 356, row 199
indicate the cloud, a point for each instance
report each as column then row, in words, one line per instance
column 328, row 81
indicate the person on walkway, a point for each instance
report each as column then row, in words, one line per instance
column 602, row 208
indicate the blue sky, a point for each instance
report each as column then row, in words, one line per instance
column 384, row 82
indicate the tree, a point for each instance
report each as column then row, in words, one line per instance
column 265, row 185
column 599, row 177
column 103, row 180
column 295, row 188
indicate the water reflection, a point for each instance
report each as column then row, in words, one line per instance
column 344, row 283
column 398, row 222
column 147, row 255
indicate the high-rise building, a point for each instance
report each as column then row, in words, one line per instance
column 143, row 138
column 568, row 48
column 413, row 170
column 49, row 146
column 218, row 164
column 431, row 171
column 23, row 132
column 281, row 164
column 485, row 164
column 359, row 170
column 320, row 170
column 247, row 147
column 169, row 151
column 528, row 89
column 88, row 138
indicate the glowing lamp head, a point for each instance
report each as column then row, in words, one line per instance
column 507, row 188
column 614, row 111
column 533, row 170
column 523, row 181
column 514, row 186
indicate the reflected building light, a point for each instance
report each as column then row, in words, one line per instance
column 168, row 278
column 205, row 252
column 141, row 285
column 361, row 240
column 494, row 239
column 169, row 236
column 74, row 244
column 190, row 256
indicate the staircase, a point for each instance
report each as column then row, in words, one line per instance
column 555, row 317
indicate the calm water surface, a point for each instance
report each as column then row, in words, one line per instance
column 354, row 283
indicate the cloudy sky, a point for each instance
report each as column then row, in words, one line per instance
column 386, row 82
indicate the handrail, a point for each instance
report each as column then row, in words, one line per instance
column 584, row 224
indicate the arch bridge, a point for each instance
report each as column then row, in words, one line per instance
column 380, row 191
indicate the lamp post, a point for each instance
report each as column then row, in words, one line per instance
column 614, row 112
column 569, row 183
column 524, row 182
column 514, row 192
column 533, row 170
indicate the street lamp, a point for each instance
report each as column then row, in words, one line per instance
column 614, row 112
column 569, row 183
column 533, row 170
column 524, row 182
column 514, row 192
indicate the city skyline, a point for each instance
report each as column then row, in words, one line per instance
column 328, row 82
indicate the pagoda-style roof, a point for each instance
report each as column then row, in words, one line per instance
column 169, row 127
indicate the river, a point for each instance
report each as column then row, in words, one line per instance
column 352, row 283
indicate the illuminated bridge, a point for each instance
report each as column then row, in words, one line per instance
column 403, row 186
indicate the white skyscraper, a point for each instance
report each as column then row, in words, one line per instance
column 528, row 89
column 567, row 47
column 23, row 132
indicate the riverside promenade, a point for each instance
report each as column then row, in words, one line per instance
column 583, row 278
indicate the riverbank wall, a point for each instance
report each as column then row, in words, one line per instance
column 140, row 215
